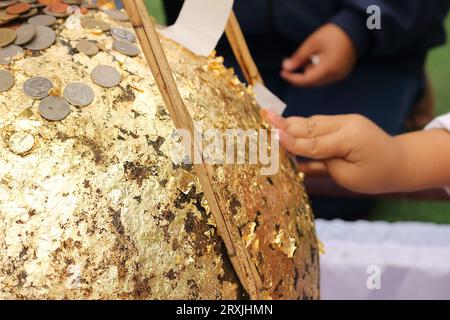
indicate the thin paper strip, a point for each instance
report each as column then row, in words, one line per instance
column 267, row 100
column 200, row 25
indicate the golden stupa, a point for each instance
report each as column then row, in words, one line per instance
column 96, row 209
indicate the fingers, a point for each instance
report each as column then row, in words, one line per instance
column 314, row 76
column 274, row 119
column 301, row 57
column 318, row 148
column 299, row 127
column 318, row 137
column 315, row 126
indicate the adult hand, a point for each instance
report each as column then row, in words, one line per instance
column 336, row 52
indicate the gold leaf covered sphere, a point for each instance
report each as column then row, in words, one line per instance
column 92, row 206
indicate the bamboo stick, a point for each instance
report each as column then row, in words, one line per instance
column 153, row 51
column 241, row 51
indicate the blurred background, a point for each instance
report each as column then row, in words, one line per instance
column 438, row 68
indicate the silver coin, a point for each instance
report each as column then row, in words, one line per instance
column 78, row 94
column 43, row 39
column 25, row 33
column 32, row 12
column 42, row 20
column 126, row 48
column 117, row 15
column 37, row 87
column 91, row 23
column 8, row 53
column 6, row 80
column 47, row 11
column 54, row 108
column 106, row 76
column 87, row 47
column 123, row 34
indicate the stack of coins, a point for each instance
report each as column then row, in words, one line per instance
column 36, row 32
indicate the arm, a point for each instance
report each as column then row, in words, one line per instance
column 363, row 158
column 407, row 27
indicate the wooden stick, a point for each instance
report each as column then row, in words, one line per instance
column 156, row 58
column 241, row 51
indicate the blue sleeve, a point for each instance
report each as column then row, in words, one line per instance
column 407, row 26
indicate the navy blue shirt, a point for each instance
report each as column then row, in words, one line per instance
column 409, row 28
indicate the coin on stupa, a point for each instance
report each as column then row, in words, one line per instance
column 91, row 23
column 6, row 80
column 37, row 87
column 117, row 15
column 43, row 39
column 47, row 11
column 54, row 108
column 8, row 53
column 58, row 7
column 126, row 48
column 18, row 8
column 21, row 142
column 123, row 34
column 30, row 13
column 5, row 17
column 87, row 47
column 78, row 94
column 4, row 4
column 7, row 36
column 25, row 33
column 106, row 76
column 42, row 20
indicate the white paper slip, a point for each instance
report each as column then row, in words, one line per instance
column 200, row 25
column 267, row 100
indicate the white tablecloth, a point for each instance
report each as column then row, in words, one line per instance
column 413, row 260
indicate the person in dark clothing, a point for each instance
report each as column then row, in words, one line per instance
column 377, row 73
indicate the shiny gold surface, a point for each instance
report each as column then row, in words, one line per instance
column 93, row 207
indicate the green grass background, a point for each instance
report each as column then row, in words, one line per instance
column 400, row 210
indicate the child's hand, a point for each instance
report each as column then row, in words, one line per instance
column 358, row 154
column 337, row 56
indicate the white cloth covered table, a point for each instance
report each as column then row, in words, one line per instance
column 414, row 260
